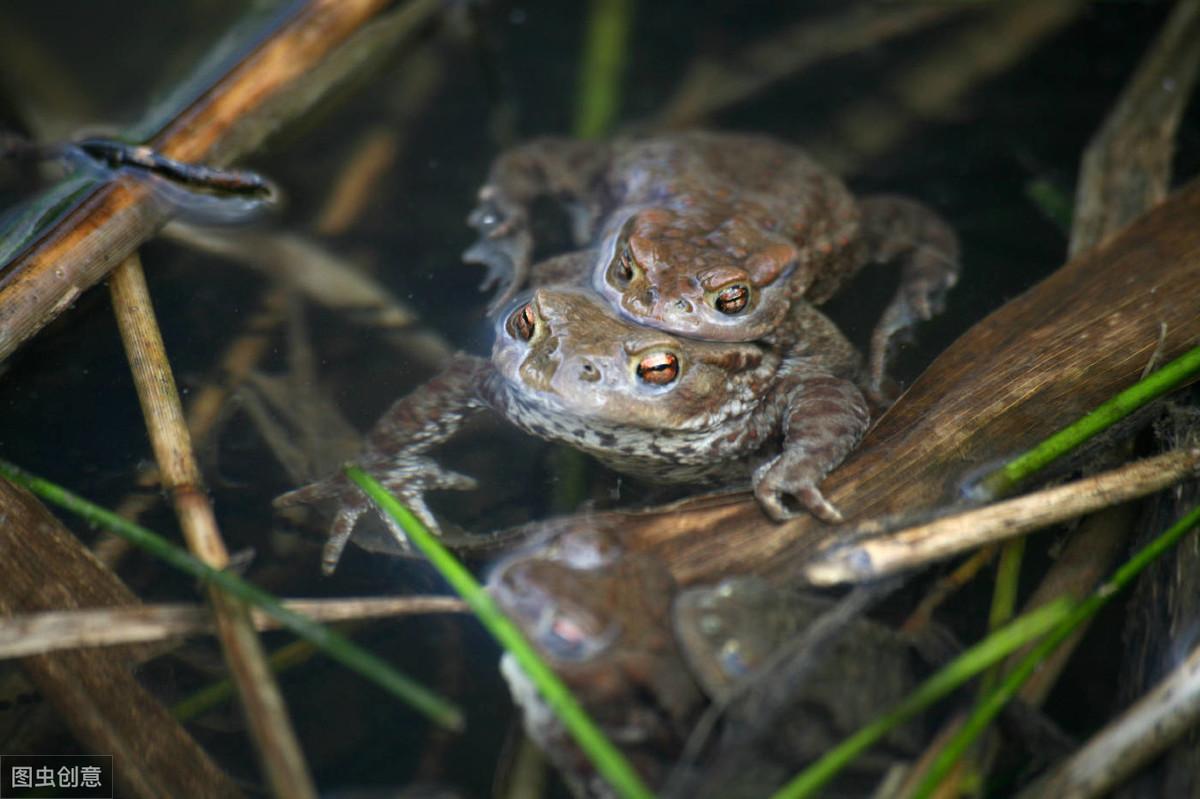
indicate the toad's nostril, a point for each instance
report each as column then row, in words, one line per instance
column 588, row 372
column 683, row 306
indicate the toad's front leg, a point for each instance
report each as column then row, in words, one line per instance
column 824, row 418
column 393, row 454
column 567, row 169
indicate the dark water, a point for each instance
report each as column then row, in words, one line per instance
column 68, row 409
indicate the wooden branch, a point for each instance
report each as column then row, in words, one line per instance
column 46, row 568
column 272, row 85
column 270, row 727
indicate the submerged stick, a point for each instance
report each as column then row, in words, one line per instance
column 1113, row 189
column 270, row 727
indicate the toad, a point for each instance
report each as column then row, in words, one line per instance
column 713, row 235
column 667, row 409
column 645, row 659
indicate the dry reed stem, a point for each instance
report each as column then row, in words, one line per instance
column 50, row 631
column 1127, row 165
column 269, row 725
column 919, row 546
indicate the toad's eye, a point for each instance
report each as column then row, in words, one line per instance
column 732, row 299
column 624, row 267
column 523, row 323
column 658, row 368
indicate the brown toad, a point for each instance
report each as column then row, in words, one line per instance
column 713, row 235
column 645, row 659
column 567, row 368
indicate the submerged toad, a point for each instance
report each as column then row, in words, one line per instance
column 566, row 368
column 601, row 618
column 713, row 235
column 645, row 659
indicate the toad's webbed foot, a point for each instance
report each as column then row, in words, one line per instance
column 405, row 478
column 393, row 453
column 505, row 245
column 562, row 168
column 897, row 228
column 826, row 417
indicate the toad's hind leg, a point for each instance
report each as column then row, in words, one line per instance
column 903, row 230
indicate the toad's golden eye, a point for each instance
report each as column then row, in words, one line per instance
column 623, row 269
column 732, row 299
column 523, row 322
column 658, row 368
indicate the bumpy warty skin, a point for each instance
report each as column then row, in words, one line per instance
column 731, row 412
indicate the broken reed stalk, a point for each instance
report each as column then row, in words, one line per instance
column 1056, row 621
column 270, row 727
column 350, row 195
column 50, row 631
column 94, row 692
column 918, row 546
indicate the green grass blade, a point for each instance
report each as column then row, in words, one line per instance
column 606, row 44
column 606, row 758
column 221, row 691
column 991, row 650
column 1170, row 377
column 990, row 705
column 331, row 643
